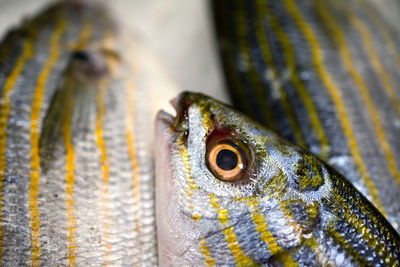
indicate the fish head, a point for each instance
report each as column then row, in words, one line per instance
column 221, row 179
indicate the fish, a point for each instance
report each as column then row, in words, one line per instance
column 77, row 98
column 324, row 75
column 231, row 192
column 78, row 95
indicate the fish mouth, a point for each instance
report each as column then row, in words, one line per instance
column 178, row 123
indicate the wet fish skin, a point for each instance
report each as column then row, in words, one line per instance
column 76, row 169
column 289, row 208
column 325, row 75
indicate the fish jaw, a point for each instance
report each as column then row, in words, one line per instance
column 171, row 223
column 163, row 180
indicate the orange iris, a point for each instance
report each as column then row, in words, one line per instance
column 227, row 160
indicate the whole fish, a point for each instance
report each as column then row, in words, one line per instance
column 76, row 120
column 325, row 75
column 230, row 192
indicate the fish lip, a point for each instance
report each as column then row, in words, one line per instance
column 165, row 125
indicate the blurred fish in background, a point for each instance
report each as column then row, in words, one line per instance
column 179, row 32
column 325, row 75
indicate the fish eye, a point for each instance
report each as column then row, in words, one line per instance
column 228, row 160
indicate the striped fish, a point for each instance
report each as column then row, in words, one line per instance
column 325, row 75
column 232, row 193
column 76, row 172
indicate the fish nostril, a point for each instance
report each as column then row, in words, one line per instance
column 89, row 64
column 81, row 55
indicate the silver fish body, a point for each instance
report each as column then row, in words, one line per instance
column 76, row 171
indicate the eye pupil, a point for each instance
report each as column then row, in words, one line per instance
column 227, row 159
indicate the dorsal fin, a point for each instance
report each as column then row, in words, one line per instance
column 73, row 104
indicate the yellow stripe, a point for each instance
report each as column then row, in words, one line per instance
column 266, row 236
column 104, row 164
column 131, row 101
column 261, row 227
column 236, row 87
column 70, row 156
column 230, row 237
column 69, row 178
column 253, row 77
column 35, row 135
column 85, row 34
column 383, row 29
column 375, row 61
column 267, row 56
column 130, row 138
column 312, row 212
column 190, row 181
column 380, row 132
column 301, row 89
column 346, row 58
column 327, row 80
column 108, row 43
column 9, row 84
column 206, row 252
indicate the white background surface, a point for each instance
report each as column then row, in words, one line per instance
column 178, row 31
